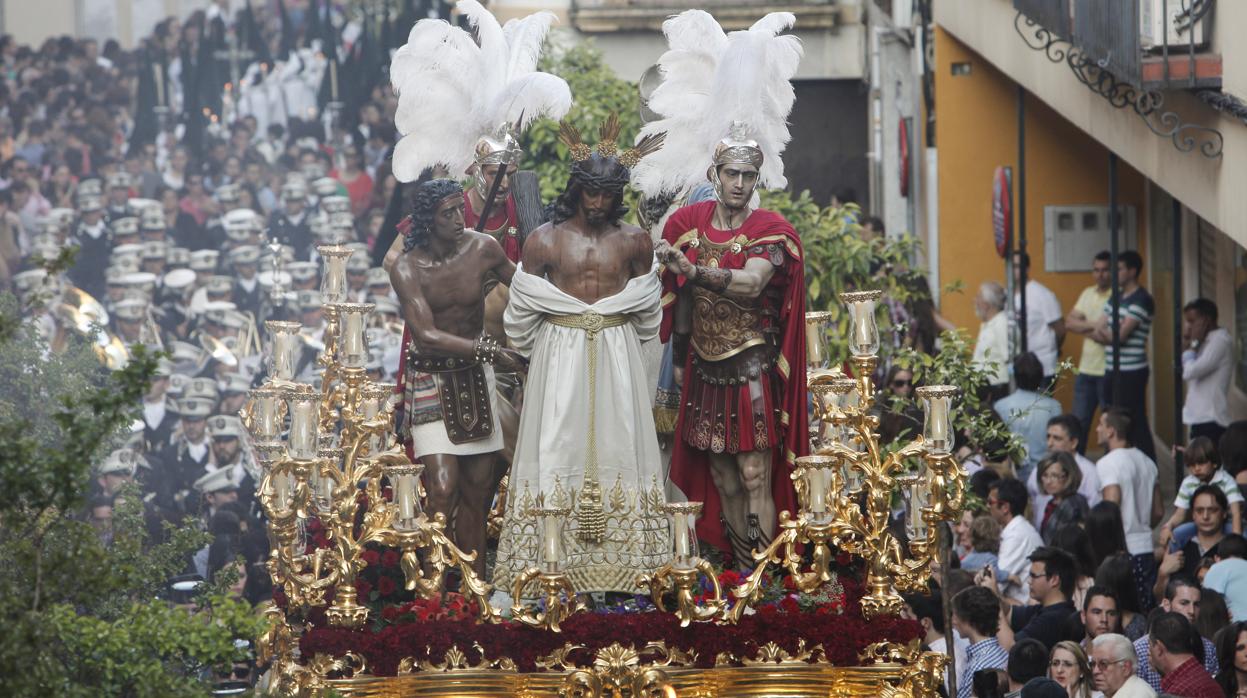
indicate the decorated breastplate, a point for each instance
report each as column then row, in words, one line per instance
column 723, row 327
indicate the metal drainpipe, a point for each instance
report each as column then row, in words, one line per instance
column 876, row 120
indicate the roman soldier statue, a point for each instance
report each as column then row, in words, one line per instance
column 734, row 301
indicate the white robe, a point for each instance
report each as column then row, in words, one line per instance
column 552, row 448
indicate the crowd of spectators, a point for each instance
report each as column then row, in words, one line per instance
column 1067, row 569
column 187, row 242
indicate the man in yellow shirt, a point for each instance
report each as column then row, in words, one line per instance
column 1082, row 319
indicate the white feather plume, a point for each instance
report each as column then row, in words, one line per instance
column 452, row 89
column 711, row 80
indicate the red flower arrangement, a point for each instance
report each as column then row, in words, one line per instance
column 426, row 629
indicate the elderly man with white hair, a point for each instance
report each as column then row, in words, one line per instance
column 991, row 350
column 1113, row 666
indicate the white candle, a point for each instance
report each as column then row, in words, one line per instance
column 333, row 80
column 353, row 350
column 937, row 425
column 304, row 419
column 286, row 348
column 281, row 490
column 552, row 541
column 814, row 343
column 405, row 493
column 681, row 537
column 818, row 490
column 919, row 497
column 266, row 427
column 333, row 280
column 864, row 333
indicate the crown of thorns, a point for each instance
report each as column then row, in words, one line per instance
column 608, row 143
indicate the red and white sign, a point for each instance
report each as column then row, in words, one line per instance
column 1002, row 209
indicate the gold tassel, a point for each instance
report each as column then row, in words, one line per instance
column 665, row 419
column 590, row 514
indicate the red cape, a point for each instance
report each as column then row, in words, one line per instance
column 690, row 467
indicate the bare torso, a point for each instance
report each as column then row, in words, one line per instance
column 448, row 294
column 590, row 265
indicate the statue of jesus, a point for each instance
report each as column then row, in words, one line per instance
column 586, row 294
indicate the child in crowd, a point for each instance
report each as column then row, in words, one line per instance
column 1204, row 468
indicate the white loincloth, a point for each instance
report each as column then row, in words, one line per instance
column 431, row 438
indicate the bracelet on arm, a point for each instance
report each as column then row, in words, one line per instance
column 679, row 348
column 712, row 278
column 485, row 350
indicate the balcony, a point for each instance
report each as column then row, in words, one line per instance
column 1147, row 44
column 604, row 16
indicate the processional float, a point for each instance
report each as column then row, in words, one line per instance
column 332, row 465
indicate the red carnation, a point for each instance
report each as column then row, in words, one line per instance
column 389, row 558
column 386, row 585
column 363, row 587
column 389, row 613
column 729, row 578
column 371, row 558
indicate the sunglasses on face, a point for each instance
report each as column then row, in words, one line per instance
column 901, row 383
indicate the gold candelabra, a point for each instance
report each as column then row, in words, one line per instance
column 845, row 490
column 326, row 454
column 850, row 481
column 683, row 574
column 556, row 587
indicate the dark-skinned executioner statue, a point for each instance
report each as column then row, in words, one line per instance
column 734, row 301
column 449, row 412
column 463, row 99
column 582, row 300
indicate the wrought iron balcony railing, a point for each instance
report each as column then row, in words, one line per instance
column 1149, row 44
column 600, row 16
column 1103, row 43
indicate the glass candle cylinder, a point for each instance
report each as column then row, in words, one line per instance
column 353, row 344
column 404, row 479
column 844, row 392
column 304, row 421
column 919, row 497
column 852, row 476
column 816, row 352
column 323, row 486
column 863, row 330
column 281, row 490
column 826, row 406
column 333, row 278
column 683, row 533
column 850, row 399
column 374, row 398
column 287, row 346
column 266, row 418
column 816, row 472
column 551, row 557
column 937, row 427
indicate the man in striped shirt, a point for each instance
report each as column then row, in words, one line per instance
column 976, row 615
column 1135, row 312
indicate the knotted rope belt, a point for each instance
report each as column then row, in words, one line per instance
column 591, row 515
